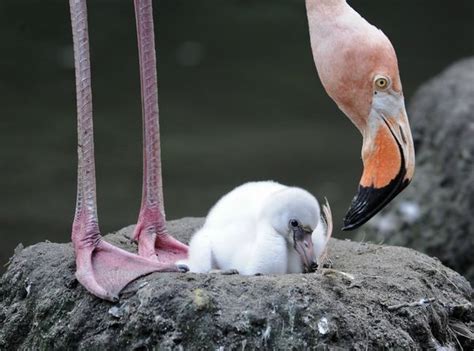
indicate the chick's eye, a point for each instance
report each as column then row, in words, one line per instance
column 381, row 82
column 294, row 223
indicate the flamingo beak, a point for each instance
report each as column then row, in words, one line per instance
column 388, row 156
column 303, row 245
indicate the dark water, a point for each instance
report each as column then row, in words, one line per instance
column 239, row 101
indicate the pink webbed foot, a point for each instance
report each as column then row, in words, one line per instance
column 101, row 267
column 154, row 242
column 104, row 270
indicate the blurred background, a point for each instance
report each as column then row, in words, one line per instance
column 239, row 100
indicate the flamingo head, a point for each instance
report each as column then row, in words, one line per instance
column 358, row 68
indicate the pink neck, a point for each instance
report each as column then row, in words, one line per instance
column 326, row 8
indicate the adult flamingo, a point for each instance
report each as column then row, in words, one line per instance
column 358, row 68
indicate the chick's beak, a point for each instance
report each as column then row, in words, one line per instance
column 303, row 245
column 388, row 156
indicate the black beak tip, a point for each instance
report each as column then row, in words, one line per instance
column 313, row 267
column 349, row 226
column 353, row 221
column 370, row 200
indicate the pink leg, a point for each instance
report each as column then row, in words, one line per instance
column 153, row 240
column 101, row 268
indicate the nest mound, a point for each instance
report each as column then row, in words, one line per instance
column 373, row 297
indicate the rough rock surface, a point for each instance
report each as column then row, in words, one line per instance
column 435, row 213
column 375, row 303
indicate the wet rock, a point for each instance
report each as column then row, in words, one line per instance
column 435, row 213
column 373, row 297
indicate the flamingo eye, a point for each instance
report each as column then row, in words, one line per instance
column 294, row 223
column 382, row 83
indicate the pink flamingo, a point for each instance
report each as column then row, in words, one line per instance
column 358, row 68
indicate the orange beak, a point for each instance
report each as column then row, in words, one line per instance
column 388, row 156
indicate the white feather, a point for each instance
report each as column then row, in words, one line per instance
column 246, row 230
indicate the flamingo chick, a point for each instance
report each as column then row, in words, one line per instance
column 262, row 227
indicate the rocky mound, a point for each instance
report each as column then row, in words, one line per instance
column 373, row 297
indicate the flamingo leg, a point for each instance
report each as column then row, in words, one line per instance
column 153, row 239
column 101, row 268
